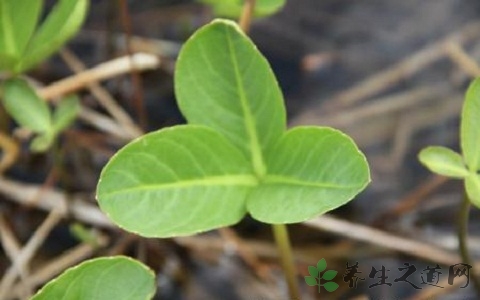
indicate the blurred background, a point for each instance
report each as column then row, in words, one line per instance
column 391, row 74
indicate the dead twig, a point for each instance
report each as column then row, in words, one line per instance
column 28, row 251
column 384, row 239
column 50, row 199
column 103, row 71
column 458, row 55
column 102, row 95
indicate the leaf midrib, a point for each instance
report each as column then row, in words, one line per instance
column 254, row 144
column 227, row 180
column 293, row 181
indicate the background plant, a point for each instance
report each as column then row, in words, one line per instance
column 464, row 166
column 23, row 44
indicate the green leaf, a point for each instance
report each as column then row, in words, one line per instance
column 177, row 181
column 7, row 62
column 329, row 275
column 313, row 271
column 321, row 265
column 472, row 186
column 311, row 281
column 18, row 19
column 233, row 8
column 330, row 286
column 311, row 170
column 470, row 127
column 61, row 24
column 443, row 161
column 23, row 104
column 42, row 142
column 223, row 82
column 119, row 278
column 66, row 112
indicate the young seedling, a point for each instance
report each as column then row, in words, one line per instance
column 22, row 47
column 464, row 166
column 234, row 156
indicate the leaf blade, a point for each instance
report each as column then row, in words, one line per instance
column 17, row 23
column 470, row 127
column 24, row 105
column 472, row 186
column 233, row 8
column 66, row 112
column 61, row 24
column 198, row 173
column 311, row 170
column 103, row 278
column 222, row 66
column 443, row 161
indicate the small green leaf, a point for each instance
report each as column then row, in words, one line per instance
column 311, row 170
column 66, row 112
column 177, row 181
column 233, row 8
column 330, row 286
column 61, row 24
column 472, row 186
column 42, row 142
column 311, row 281
column 443, row 161
column 329, row 275
column 470, row 127
column 321, row 265
column 106, row 278
column 313, row 271
column 223, row 82
column 18, row 19
column 23, row 104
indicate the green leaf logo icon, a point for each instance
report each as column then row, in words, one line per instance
column 321, row 278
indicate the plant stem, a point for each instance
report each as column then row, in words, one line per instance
column 463, row 237
column 247, row 13
column 283, row 243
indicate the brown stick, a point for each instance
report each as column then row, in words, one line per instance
column 109, row 69
column 247, row 15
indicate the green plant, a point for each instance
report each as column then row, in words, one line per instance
column 464, row 166
column 22, row 47
column 118, row 277
column 234, row 156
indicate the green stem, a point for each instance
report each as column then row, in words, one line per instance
column 283, row 244
column 463, row 237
